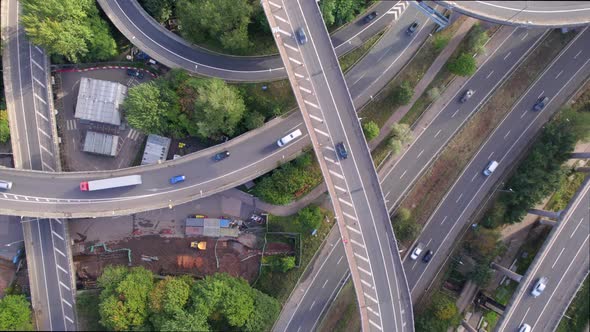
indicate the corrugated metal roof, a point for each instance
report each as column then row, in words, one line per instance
column 193, row 230
column 234, row 232
column 224, row 223
column 194, row 222
column 99, row 101
column 100, row 143
column 156, row 148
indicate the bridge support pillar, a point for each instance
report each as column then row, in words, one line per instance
column 507, row 272
column 548, row 222
column 468, row 327
column 543, row 213
column 580, row 155
column 583, row 169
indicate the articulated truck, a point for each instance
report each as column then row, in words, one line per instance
column 122, row 181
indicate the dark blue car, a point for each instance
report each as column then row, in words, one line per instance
column 341, row 151
column 177, row 179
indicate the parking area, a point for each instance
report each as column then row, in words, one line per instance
column 72, row 131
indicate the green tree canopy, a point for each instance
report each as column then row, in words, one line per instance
column 161, row 10
column 280, row 263
column 444, row 307
column 15, row 313
column 476, row 39
column 402, row 94
column 309, row 218
column 371, row 130
column 463, row 65
column 225, row 21
column 70, row 28
column 4, row 127
column 340, row 11
column 404, row 226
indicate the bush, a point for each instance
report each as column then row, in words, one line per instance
column 441, row 314
column 481, row 273
column 402, row 94
column 280, row 263
column 371, row 130
column 463, row 65
column 440, row 42
column 404, row 225
column 15, row 313
column 253, row 120
column 4, row 127
column 476, row 39
column 161, row 10
column 401, row 132
column 309, row 218
column 338, row 12
column 433, row 94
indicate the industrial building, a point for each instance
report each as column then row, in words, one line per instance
column 99, row 143
column 211, row 227
column 156, row 149
column 99, row 101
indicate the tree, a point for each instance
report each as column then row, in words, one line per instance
column 402, row 94
column 267, row 309
column 218, row 109
column 4, row 127
column 225, row 21
column 433, row 93
column 126, row 307
column 481, row 273
column 309, row 218
column 440, row 41
column 70, row 28
column 184, row 321
column 371, row 130
column 161, row 10
column 404, row 226
column 15, row 313
column 401, row 132
column 463, row 65
column 340, row 11
column 483, row 243
column 476, row 39
column 253, row 120
column 280, row 263
column 444, row 307
column 394, row 145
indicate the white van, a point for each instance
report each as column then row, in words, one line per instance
column 289, row 138
column 490, row 168
column 5, row 185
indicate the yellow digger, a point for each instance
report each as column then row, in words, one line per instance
column 200, row 245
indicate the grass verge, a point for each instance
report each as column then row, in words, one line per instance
column 268, row 98
column 350, row 58
column 491, row 318
column 433, row 185
column 87, row 306
column 577, row 312
column 277, row 284
column 343, row 314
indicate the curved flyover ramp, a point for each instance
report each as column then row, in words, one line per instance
column 173, row 51
column 526, row 13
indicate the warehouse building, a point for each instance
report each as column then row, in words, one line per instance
column 99, row 143
column 99, row 101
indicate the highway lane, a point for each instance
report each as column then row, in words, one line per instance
column 526, row 13
column 564, row 260
column 508, row 41
column 352, row 182
column 171, row 50
column 564, row 75
column 256, row 155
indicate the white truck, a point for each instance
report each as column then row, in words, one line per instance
column 121, row 181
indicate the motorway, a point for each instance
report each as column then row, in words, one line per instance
column 564, row 260
column 174, row 52
column 33, row 130
column 564, row 75
column 327, row 107
column 257, row 154
column 555, row 14
column 395, row 183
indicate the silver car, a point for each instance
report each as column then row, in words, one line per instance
column 539, row 286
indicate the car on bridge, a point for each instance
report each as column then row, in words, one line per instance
column 221, row 155
column 177, row 179
column 341, row 151
column 370, row 17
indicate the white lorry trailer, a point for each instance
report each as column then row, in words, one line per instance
column 122, row 181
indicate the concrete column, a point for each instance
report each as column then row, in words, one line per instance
column 583, row 169
column 580, row 155
column 548, row 222
column 507, row 272
column 543, row 213
column 468, row 327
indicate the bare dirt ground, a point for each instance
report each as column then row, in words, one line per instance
column 7, row 270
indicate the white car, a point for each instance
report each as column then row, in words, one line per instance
column 417, row 251
column 539, row 286
column 524, row 328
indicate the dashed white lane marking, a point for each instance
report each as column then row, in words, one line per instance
column 438, row 132
column 458, row 199
column 559, row 74
column 336, row 174
column 370, row 297
column 61, row 268
column 349, row 216
column 490, row 156
column 339, row 260
column 45, row 149
column 507, row 55
column 357, row 243
column 452, row 116
column 443, row 221
column 38, row 65
column 373, row 312
column 375, row 324
column 293, row 60
column 366, row 283
column 364, row 271
column 311, row 104
column 320, row 132
column 64, row 285
column 557, row 259
column 404, row 173
column 325, row 282
column 59, row 236
column 508, row 133
column 353, row 229
column 66, row 302
column 316, row 118
column 523, row 114
column 490, row 74
column 305, row 90
column 59, row 251
column 419, row 154
column 577, row 54
column 312, row 304
column 280, row 19
column 38, row 82
column 345, row 202
column 341, row 189
column 474, row 176
column 361, row 257
column 523, row 37
column 39, row 97
column 576, row 229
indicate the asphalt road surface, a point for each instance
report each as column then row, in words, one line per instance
column 327, row 106
column 526, row 13
column 171, row 50
column 564, row 260
column 564, row 75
